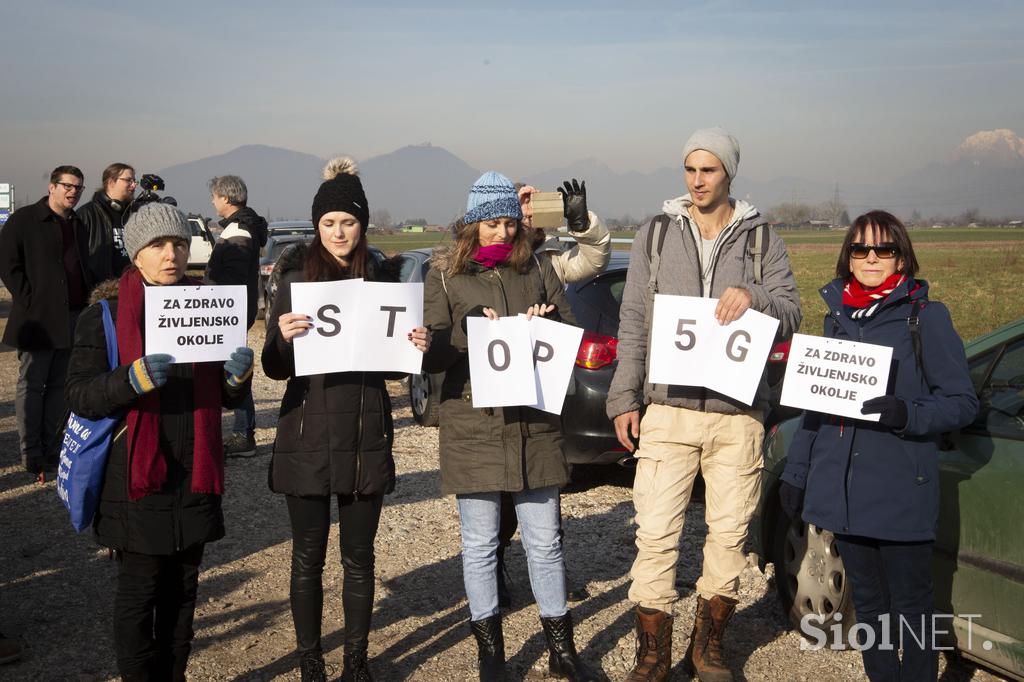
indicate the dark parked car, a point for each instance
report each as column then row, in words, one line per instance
column 979, row 548
column 277, row 242
column 589, row 434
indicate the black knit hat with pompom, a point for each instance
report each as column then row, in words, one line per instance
column 341, row 190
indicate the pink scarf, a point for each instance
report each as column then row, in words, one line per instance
column 492, row 256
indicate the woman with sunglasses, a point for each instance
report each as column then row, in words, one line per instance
column 875, row 484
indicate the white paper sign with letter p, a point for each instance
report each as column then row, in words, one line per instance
column 555, row 346
column 835, row 376
column 196, row 323
column 690, row 348
column 501, row 362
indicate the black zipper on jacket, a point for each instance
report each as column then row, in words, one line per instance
column 359, row 435
column 179, row 531
column 302, row 410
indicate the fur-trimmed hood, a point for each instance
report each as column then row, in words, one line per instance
column 293, row 259
column 105, row 289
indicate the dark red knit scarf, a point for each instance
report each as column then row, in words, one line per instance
column 147, row 469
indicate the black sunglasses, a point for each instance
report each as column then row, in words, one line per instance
column 885, row 250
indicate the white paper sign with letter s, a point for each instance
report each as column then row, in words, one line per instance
column 328, row 346
column 835, row 376
column 501, row 362
column 196, row 323
column 689, row 347
column 555, row 346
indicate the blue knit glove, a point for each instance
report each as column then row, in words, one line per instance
column 149, row 372
column 238, row 368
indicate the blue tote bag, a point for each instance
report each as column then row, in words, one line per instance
column 84, row 449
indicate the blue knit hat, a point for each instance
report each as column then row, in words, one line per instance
column 492, row 196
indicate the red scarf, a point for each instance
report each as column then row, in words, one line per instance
column 856, row 296
column 147, row 469
column 492, row 256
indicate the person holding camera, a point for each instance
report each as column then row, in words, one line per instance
column 160, row 502
column 235, row 259
column 875, row 484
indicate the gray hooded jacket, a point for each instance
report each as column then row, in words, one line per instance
column 731, row 265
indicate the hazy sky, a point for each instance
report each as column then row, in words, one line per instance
column 846, row 91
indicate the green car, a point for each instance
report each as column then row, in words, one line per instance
column 979, row 546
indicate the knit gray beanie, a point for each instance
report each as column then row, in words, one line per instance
column 153, row 221
column 719, row 142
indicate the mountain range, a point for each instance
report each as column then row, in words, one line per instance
column 985, row 172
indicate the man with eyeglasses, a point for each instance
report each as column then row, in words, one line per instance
column 104, row 218
column 43, row 255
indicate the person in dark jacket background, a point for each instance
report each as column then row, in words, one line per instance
column 104, row 218
column 43, row 263
column 161, row 497
column 491, row 270
column 876, row 484
column 335, row 431
column 235, row 259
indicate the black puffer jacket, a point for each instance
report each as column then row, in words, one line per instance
column 334, row 432
column 104, row 221
column 235, row 258
column 176, row 518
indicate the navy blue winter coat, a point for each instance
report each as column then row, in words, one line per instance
column 860, row 477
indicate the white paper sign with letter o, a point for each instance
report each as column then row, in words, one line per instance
column 196, row 323
column 501, row 362
column 835, row 376
column 689, row 348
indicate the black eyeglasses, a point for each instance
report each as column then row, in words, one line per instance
column 885, row 250
column 68, row 187
column 129, row 181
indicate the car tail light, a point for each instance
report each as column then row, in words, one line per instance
column 265, row 270
column 780, row 352
column 596, row 351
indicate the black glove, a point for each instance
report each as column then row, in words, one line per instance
column 574, row 205
column 892, row 411
column 476, row 311
column 791, row 499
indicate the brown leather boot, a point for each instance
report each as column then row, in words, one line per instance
column 704, row 654
column 653, row 646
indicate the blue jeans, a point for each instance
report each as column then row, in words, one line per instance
column 245, row 416
column 538, row 513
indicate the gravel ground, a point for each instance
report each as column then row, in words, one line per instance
column 56, row 588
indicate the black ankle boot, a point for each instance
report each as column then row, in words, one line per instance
column 491, row 644
column 563, row 661
column 356, row 669
column 312, row 667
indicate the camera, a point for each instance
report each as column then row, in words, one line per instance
column 150, row 183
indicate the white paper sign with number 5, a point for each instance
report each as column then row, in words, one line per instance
column 689, row 347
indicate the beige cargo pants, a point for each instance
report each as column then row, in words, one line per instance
column 674, row 444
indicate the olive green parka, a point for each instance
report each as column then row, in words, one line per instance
column 501, row 448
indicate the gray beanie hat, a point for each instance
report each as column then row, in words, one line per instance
column 719, row 142
column 153, row 221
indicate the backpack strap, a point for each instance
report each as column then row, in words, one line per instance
column 110, row 332
column 914, row 326
column 757, row 245
column 655, row 236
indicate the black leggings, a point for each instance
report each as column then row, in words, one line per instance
column 311, row 523
column 153, row 613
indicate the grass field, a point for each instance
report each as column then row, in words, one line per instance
column 978, row 273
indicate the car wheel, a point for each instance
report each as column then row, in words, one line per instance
column 810, row 576
column 423, row 399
